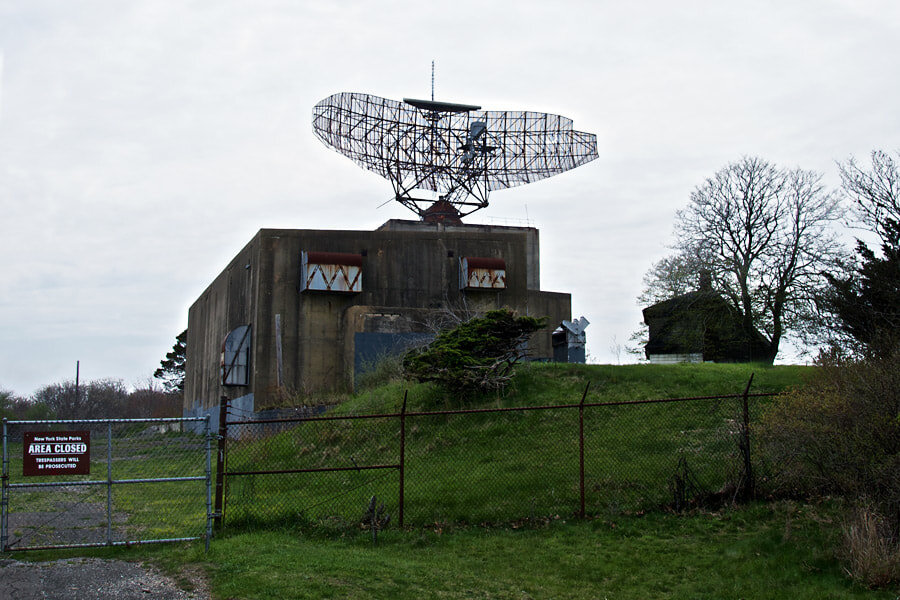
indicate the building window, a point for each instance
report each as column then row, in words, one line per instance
column 236, row 357
column 330, row 272
column 476, row 273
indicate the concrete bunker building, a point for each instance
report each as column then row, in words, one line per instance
column 308, row 310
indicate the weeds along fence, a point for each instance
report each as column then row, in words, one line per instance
column 487, row 465
column 105, row 482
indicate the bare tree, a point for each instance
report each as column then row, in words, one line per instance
column 671, row 276
column 875, row 193
column 451, row 314
column 148, row 400
column 616, row 348
column 764, row 235
column 94, row 400
column 16, row 407
column 63, row 400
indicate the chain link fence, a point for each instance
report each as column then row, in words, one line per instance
column 495, row 465
column 320, row 469
column 105, row 482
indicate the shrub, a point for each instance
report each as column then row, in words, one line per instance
column 841, row 431
column 840, row 434
column 475, row 356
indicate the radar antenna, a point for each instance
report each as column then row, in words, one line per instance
column 455, row 154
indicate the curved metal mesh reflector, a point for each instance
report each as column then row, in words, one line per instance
column 461, row 156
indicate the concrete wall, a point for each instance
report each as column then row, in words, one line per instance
column 410, row 276
column 227, row 303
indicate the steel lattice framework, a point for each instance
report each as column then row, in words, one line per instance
column 456, row 151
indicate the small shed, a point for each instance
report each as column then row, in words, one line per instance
column 701, row 326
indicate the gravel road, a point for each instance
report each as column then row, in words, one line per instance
column 90, row 579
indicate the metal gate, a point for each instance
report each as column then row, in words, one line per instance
column 79, row 483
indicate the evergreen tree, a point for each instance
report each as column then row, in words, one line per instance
column 475, row 356
column 866, row 303
column 171, row 370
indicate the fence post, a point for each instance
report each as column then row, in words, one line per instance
column 109, row 483
column 220, row 462
column 4, row 495
column 209, row 512
column 748, row 491
column 581, row 447
column 402, row 453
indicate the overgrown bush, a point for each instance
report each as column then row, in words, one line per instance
column 840, row 434
column 475, row 356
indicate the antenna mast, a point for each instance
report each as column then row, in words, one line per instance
column 432, row 81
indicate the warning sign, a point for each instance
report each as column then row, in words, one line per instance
column 56, row 453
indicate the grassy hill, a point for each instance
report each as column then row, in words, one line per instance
column 504, row 466
column 520, row 469
column 557, row 383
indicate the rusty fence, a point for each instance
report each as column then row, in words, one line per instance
column 486, row 465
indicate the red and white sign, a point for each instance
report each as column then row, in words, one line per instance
column 56, row 453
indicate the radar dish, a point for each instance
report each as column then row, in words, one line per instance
column 456, row 153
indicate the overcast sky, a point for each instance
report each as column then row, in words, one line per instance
column 142, row 144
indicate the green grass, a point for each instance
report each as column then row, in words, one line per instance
column 558, row 383
column 780, row 550
column 502, row 466
column 473, row 484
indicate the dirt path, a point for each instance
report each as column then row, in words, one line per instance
column 90, row 579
